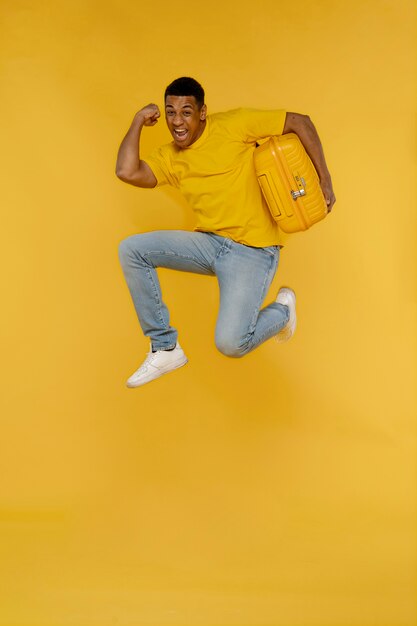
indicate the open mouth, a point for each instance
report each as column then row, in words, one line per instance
column 180, row 133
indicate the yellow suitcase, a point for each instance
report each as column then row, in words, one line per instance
column 289, row 183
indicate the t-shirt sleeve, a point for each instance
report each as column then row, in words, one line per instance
column 158, row 161
column 255, row 124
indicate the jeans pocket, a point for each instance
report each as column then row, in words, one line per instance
column 272, row 250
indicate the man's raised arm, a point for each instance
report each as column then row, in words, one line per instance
column 129, row 166
column 302, row 126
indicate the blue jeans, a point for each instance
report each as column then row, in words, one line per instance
column 244, row 275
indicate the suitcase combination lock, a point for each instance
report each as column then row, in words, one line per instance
column 301, row 184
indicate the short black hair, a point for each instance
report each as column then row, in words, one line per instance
column 186, row 86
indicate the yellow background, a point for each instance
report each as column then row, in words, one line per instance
column 276, row 490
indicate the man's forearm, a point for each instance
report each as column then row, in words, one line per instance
column 306, row 131
column 129, row 166
column 311, row 141
column 128, row 159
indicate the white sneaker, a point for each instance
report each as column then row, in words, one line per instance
column 287, row 296
column 156, row 364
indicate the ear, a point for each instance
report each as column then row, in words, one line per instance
column 203, row 112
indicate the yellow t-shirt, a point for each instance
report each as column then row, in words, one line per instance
column 217, row 177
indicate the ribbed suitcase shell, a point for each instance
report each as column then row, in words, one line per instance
column 283, row 168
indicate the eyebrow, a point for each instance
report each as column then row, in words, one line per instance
column 190, row 106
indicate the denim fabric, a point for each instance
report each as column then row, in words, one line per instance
column 244, row 275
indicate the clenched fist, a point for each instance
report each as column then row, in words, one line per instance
column 149, row 115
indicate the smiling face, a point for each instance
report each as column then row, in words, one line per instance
column 185, row 120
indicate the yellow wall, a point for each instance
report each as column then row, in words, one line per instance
column 274, row 490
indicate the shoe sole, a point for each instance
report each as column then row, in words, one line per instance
column 158, row 375
column 289, row 329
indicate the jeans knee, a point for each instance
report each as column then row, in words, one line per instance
column 124, row 249
column 230, row 347
column 129, row 250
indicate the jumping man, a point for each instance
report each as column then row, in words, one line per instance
column 210, row 160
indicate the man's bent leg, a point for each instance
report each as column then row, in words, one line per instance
column 245, row 275
column 141, row 254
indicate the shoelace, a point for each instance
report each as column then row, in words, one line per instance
column 149, row 358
